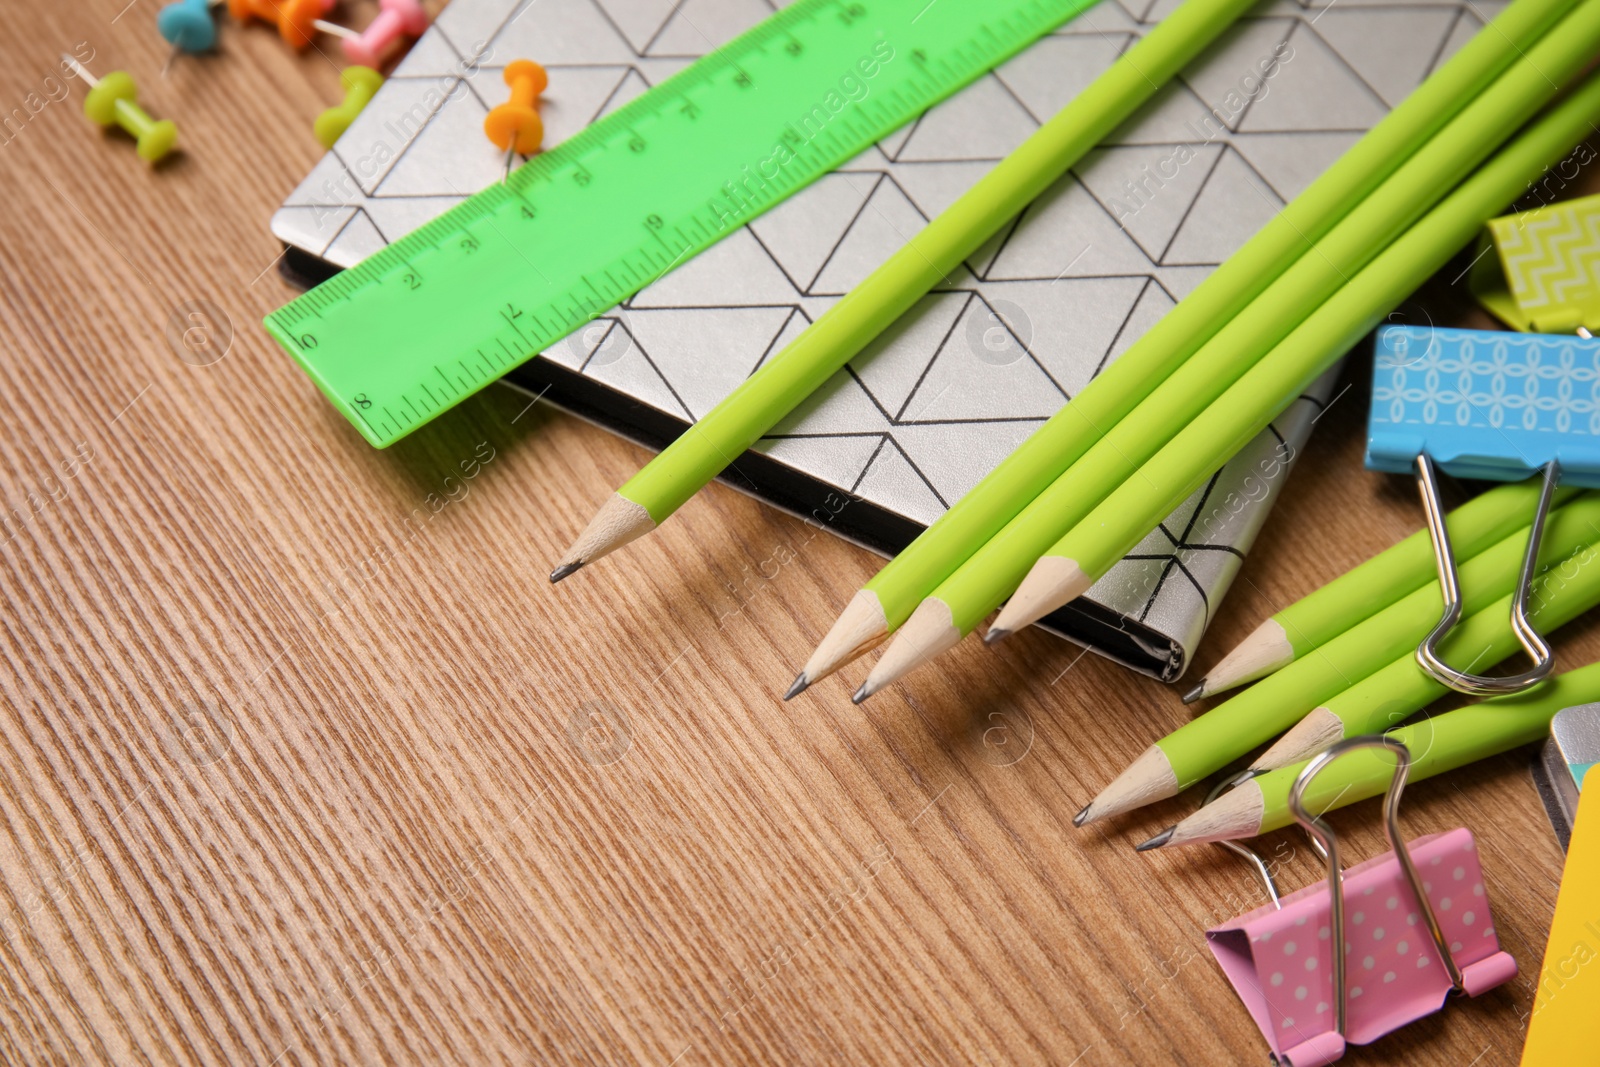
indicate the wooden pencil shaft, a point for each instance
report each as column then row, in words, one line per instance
column 938, row 249
column 1122, row 519
column 1225, row 363
column 1211, row 741
column 1438, row 744
column 1110, row 396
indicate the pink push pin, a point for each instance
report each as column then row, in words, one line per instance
column 396, row 18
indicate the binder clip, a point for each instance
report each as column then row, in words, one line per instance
column 1491, row 405
column 1542, row 277
column 1414, row 924
column 1571, row 750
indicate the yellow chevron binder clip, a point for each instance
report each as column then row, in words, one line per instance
column 1545, row 274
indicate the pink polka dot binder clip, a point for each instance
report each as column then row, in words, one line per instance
column 1414, row 924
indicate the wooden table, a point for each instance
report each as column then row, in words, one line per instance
column 306, row 762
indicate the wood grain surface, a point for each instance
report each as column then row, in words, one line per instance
column 303, row 761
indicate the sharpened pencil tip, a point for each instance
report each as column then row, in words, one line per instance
column 1157, row 841
column 860, row 694
column 800, row 685
column 563, row 571
column 994, row 635
column 1083, row 814
column 1196, row 693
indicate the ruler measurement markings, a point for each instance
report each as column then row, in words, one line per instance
column 520, row 336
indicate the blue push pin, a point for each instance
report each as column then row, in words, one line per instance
column 188, row 26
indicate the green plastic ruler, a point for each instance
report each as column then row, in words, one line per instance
column 439, row 314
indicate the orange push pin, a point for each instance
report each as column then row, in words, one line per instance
column 296, row 19
column 515, row 126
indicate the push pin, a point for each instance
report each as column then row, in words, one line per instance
column 296, row 19
column 396, row 19
column 113, row 101
column 188, row 26
column 515, row 125
column 360, row 85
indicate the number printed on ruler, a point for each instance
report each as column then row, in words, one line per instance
column 446, row 310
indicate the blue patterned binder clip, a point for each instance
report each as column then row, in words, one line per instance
column 1491, row 405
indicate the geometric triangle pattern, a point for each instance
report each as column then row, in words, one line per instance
column 1026, row 322
column 1174, row 579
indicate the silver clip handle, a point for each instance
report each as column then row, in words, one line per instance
column 1249, row 854
column 1330, row 841
column 1532, row 642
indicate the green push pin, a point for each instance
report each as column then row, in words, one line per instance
column 113, row 101
column 360, row 85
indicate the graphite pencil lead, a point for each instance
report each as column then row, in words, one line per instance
column 1052, row 582
column 861, row 694
column 1196, row 693
column 994, row 635
column 1083, row 813
column 1147, row 779
column 1320, row 729
column 1236, row 813
column 800, row 685
column 618, row 522
column 930, row 630
column 861, row 627
column 1265, row 650
column 1157, row 841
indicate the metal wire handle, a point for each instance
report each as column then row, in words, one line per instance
column 1251, row 856
column 1532, row 642
column 1391, row 826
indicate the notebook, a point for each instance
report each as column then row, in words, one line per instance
column 923, row 414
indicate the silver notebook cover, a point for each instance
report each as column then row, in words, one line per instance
column 917, row 419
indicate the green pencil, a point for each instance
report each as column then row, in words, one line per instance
column 1438, row 744
column 1122, row 519
column 1111, row 469
column 1362, row 591
column 728, row 429
column 888, row 599
column 1212, row 741
column 1402, row 687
